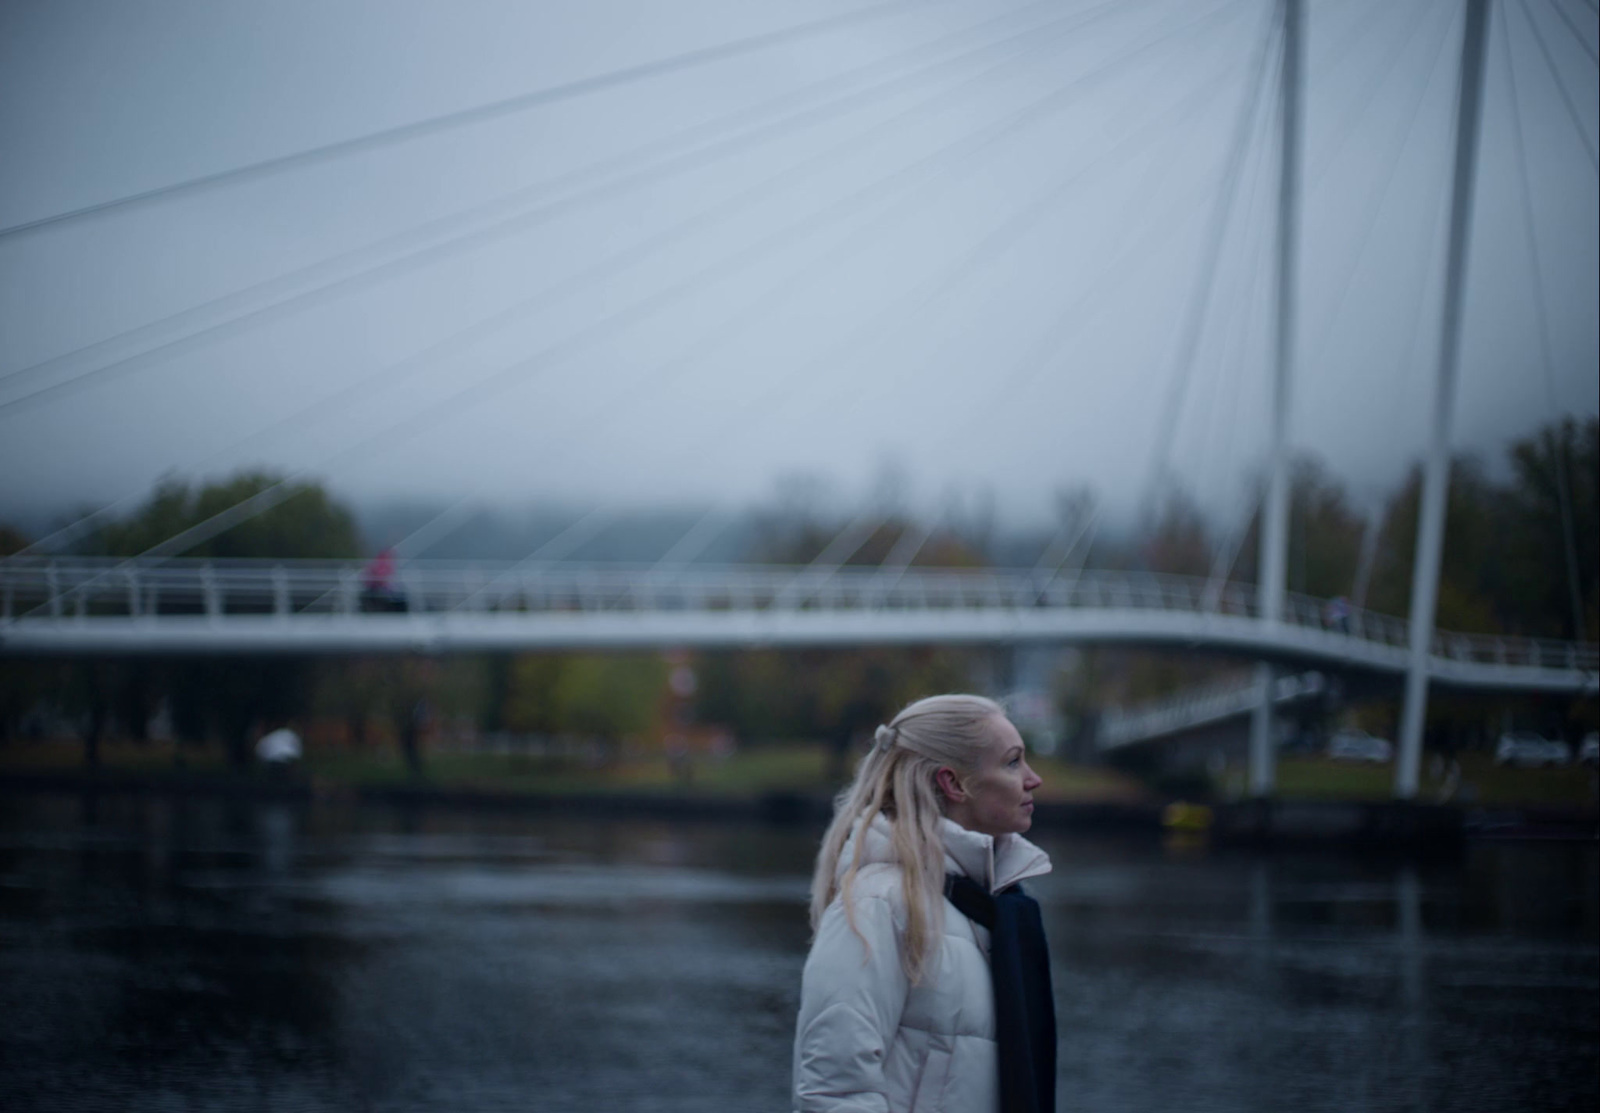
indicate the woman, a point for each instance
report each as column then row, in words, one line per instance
column 928, row 983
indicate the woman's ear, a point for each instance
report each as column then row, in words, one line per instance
column 950, row 784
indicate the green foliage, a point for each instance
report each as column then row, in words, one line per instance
column 308, row 523
column 1324, row 533
column 768, row 695
column 1539, row 569
column 529, row 702
column 1506, row 566
column 1178, row 543
column 610, row 696
column 796, row 529
column 1325, row 536
column 221, row 698
column 12, row 539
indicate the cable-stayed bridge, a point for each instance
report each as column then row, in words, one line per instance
column 1250, row 228
column 256, row 606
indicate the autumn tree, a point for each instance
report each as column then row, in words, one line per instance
column 305, row 523
column 587, row 695
column 1551, row 554
column 227, row 697
column 1519, row 557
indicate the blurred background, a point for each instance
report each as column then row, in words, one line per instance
column 475, row 476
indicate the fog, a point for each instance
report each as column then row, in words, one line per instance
column 973, row 273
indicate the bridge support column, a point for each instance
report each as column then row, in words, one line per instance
column 1436, row 480
column 1275, row 506
column 1263, row 738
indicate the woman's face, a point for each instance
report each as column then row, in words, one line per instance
column 997, row 797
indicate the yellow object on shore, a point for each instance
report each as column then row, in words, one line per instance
column 1180, row 816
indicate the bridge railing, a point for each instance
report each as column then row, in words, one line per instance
column 65, row 589
column 1197, row 706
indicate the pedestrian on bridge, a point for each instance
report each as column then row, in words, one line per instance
column 1336, row 614
column 928, row 982
column 377, row 583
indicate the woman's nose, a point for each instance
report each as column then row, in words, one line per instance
column 1032, row 780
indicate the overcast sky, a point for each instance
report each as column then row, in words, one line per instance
column 954, row 238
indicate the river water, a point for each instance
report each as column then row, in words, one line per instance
column 160, row 955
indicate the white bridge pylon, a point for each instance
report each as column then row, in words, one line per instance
column 183, row 607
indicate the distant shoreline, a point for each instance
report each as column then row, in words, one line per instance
column 1369, row 826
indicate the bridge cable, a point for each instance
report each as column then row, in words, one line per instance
column 1371, row 534
column 821, row 568
column 232, row 516
column 565, row 541
column 1193, row 315
column 293, row 298
column 478, row 114
column 1243, row 312
column 1252, row 152
column 975, row 258
column 430, row 533
column 1406, row 362
column 1363, row 241
column 968, row 265
column 1040, row 355
column 1576, row 34
column 511, row 202
column 1561, row 87
column 1083, row 535
column 1226, row 555
column 1044, row 352
column 1074, row 512
column 1246, row 328
column 1546, row 354
column 1369, row 91
column 1068, row 320
column 770, row 296
column 694, row 542
column 907, row 547
column 488, row 325
column 1234, row 330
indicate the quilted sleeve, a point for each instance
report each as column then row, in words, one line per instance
column 851, row 997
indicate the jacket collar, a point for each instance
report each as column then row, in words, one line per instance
column 994, row 861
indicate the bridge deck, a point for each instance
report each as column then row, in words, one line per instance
column 174, row 607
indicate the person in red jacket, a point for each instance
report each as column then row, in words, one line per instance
column 377, row 583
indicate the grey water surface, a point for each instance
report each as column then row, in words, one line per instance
column 201, row 955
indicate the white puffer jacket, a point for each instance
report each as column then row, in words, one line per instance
column 867, row 1040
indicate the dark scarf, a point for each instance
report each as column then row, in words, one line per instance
column 1024, row 1007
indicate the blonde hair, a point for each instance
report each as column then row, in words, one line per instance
column 896, row 780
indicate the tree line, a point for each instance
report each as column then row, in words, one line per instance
column 1520, row 558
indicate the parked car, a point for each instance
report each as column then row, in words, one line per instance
column 1529, row 750
column 1589, row 749
column 1358, row 745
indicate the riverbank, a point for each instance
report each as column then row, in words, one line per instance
column 812, row 804
column 1372, row 826
column 1320, row 802
column 790, row 768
